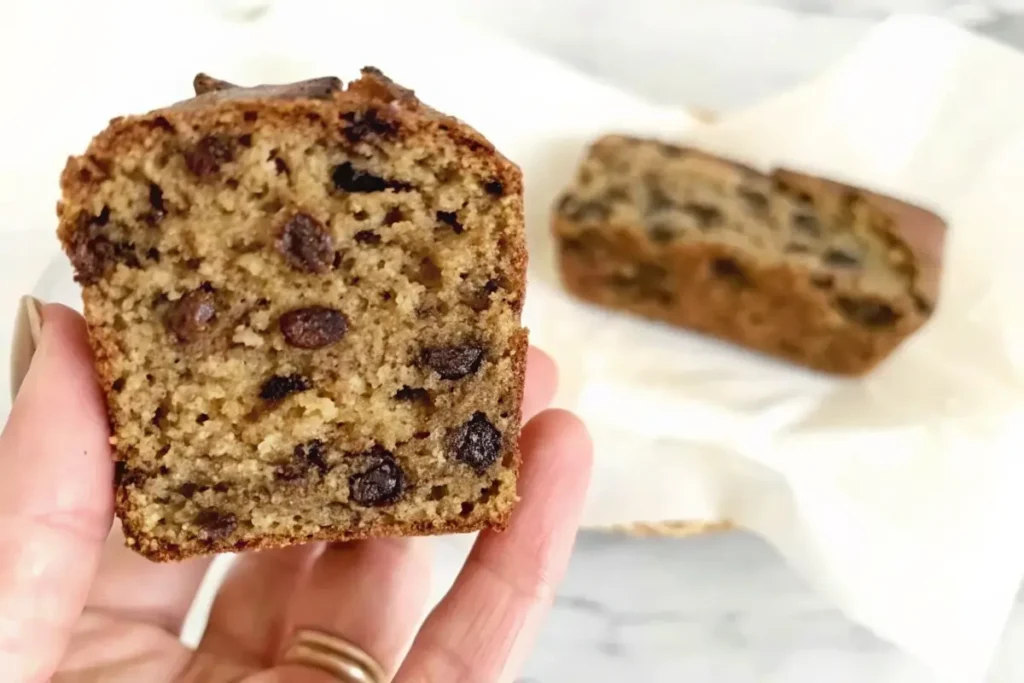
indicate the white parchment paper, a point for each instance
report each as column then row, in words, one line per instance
column 899, row 496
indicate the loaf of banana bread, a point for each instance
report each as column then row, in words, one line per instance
column 304, row 302
column 825, row 275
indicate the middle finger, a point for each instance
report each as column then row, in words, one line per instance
column 371, row 593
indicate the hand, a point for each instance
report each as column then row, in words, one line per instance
column 77, row 606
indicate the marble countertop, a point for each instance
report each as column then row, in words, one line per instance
column 721, row 608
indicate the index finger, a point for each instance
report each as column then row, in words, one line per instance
column 482, row 629
column 56, row 498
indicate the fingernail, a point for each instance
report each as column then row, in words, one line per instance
column 27, row 328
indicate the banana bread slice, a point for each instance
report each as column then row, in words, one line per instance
column 304, row 302
column 818, row 273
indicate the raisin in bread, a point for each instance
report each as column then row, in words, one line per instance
column 821, row 274
column 304, row 302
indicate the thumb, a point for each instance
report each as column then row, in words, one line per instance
column 56, row 495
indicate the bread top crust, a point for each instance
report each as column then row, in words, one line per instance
column 396, row 109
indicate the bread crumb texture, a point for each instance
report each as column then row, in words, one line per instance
column 304, row 304
column 805, row 269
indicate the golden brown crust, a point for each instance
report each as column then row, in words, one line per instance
column 287, row 101
column 789, row 307
column 218, row 103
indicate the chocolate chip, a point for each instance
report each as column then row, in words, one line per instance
column 394, row 215
column 823, row 281
column 671, row 151
column 193, row 263
column 657, row 199
column 707, row 216
column 616, row 193
column 923, row 306
column 120, row 468
column 306, row 244
column 728, row 269
column 314, row 327
column 478, row 301
column 215, row 524
column 868, row 312
column 366, row 237
column 245, row 140
column 348, row 178
column 381, row 484
column 453, row 362
column 157, row 204
column 281, row 386
column 103, row 217
column 188, row 489
column 124, row 252
column 91, row 256
column 663, row 233
column 450, row 219
column 191, row 316
column 153, row 254
column 412, row 394
column 590, row 211
column 163, row 124
column 366, row 125
column 281, row 166
column 221, row 487
column 756, row 201
column 91, row 252
column 291, row 471
column 841, row 259
column 131, row 477
column 118, row 384
column 807, row 224
column 476, row 443
column 312, row 453
column 207, row 155
column 494, row 187
column 159, row 417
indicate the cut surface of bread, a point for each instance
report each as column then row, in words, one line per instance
column 818, row 273
column 304, row 302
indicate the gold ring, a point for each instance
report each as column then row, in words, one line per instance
column 335, row 655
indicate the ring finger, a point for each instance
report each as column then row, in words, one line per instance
column 372, row 593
